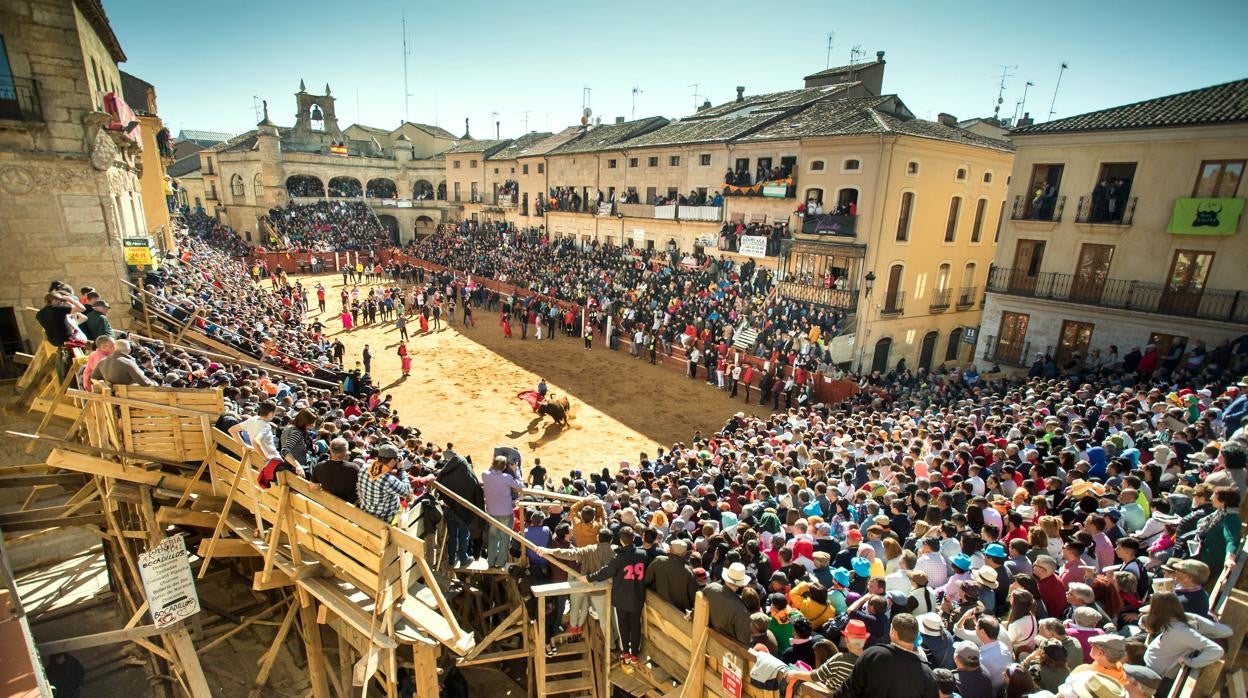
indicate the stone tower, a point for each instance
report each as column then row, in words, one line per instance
column 311, row 106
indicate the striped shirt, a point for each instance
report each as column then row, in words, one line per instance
column 834, row 672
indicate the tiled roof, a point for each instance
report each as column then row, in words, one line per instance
column 205, row 138
column 520, row 146
column 1219, row 104
column 436, row 131
column 185, row 166
column 843, row 69
column 478, row 146
column 866, row 115
column 702, row 130
column 243, row 141
column 372, row 129
column 609, row 135
column 551, row 142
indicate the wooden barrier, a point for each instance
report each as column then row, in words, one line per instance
column 179, row 436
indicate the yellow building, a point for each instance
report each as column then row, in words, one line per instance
column 1124, row 230
column 905, row 261
column 154, row 184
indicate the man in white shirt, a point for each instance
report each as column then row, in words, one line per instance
column 932, row 563
column 257, row 432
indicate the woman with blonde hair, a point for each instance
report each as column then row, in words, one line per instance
column 892, row 554
column 1052, row 526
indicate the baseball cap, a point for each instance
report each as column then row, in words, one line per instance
column 1148, row 680
column 1193, row 568
column 387, row 452
column 967, row 651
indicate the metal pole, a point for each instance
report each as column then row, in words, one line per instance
column 1056, row 88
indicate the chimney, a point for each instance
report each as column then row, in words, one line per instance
column 740, row 93
column 705, row 105
column 619, row 119
column 947, row 119
column 879, row 56
column 1025, row 121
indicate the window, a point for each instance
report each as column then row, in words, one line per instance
column 1185, row 284
column 942, row 277
column 236, row 185
column 704, row 159
column 815, row 195
column 455, row 164
column 257, row 183
column 524, row 169
column 457, row 191
column 1075, row 338
column 903, row 217
column 852, row 165
column 955, row 344
column 1010, row 337
column 1041, row 197
column 1091, row 272
column 541, row 167
column 652, row 193
column 892, row 293
column 632, row 162
column 951, row 225
column 513, row 170
column 816, row 166
column 472, row 163
column 673, row 161
column 611, row 164
column 476, row 196
column 652, row 162
column 961, row 174
column 912, row 168
column 1219, row 179
column 987, row 178
column 981, row 208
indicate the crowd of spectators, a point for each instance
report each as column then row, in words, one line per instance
column 327, row 226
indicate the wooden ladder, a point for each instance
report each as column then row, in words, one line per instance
column 568, row 673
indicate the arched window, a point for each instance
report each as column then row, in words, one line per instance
column 903, row 216
column 961, row 174
column 977, row 229
column 815, row 195
column 236, row 185
column 912, row 167
column 852, row 165
column 345, row 186
column 987, row 178
column 955, row 344
column 942, row 277
column 816, row 166
column 951, row 226
column 892, row 293
column 879, row 360
column 257, row 184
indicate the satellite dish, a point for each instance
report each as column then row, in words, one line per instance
column 587, row 113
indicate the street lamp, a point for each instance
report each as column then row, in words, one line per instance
column 869, row 280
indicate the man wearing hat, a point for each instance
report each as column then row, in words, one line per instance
column 1142, row 682
column 1052, row 590
column 836, row 669
column 726, row 612
column 670, row 577
column 1107, row 651
column 937, row 642
column 993, row 642
column 96, row 324
column 972, row 680
column 994, row 559
column 895, row 668
column 1189, row 584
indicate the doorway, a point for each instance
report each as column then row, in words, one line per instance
column 1075, row 338
column 1046, row 182
column 1112, row 192
column 1028, row 254
column 1091, row 272
column 879, row 361
column 1010, row 337
column 928, row 350
column 1185, row 284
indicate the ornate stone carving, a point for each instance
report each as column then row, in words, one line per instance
column 16, row 180
column 103, row 151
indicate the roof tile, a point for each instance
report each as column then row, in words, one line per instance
column 1218, row 104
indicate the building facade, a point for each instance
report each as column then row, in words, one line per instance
column 1124, row 229
column 69, row 169
column 155, row 154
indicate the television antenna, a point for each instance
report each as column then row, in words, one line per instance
column 1056, row 87
column 1005, row 74
column 1021, row 107
column 497, row 123
column 828, row 60
column 636, row 91
column 525, row 114
column 856, row 54
column 406, row 52
column 255, row 106
column 695, row 87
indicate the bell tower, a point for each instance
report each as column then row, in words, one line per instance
column 316, row 114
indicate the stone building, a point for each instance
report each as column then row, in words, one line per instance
column 906, row 259
column 1124, row 229
column 399, row 172
column 69, row 183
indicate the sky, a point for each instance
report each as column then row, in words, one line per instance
column 526, row 64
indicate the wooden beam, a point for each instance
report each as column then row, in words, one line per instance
column 277, row 579
column 693, row 684
column 188, row 661
column 230, row 547
column 241, row 626
column 317, row 675
column 500, row 656
column 62, row 479
column 168, row 516
column 16, row 517
column 94, row 465
column 110, row 637
column 58, row 522
column 269, row 657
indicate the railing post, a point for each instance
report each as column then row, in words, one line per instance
column 1230, row 316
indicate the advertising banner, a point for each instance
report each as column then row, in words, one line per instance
column 1205, row 216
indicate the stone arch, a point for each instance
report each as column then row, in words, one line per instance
column 304, row 185
column 422, row 189
column 236, row 186
column 442, row 190
column 345, row 186
column 391, row 224
column 425, row 225
column 381, row 188
column 879, row 358
column 257, row 185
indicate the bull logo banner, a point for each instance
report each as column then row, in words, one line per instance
column 1205, row 216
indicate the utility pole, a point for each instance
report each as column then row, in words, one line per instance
column 636, row 91
column 406, row 52
column 1005, row 73
column 1056, row 87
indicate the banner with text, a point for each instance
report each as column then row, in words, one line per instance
column 1205, row 216
column 753, row 246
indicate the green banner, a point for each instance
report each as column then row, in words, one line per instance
column 1206, row 216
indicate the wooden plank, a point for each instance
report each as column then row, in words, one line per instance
column 110, row 637
column 270, row 656
column 189, row 660
column 315, row 652
column 563, row 588
column 60, row 522
column 62, row 479
column 277, row 579
column 229, row 547
column 693, row 684
column 492, row 657
column 169, row 516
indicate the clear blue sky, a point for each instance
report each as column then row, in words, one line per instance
column 471, row 58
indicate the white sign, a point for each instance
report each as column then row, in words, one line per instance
column 639, row 236
column 707, row 240
column 753, row 246
column 167, row 579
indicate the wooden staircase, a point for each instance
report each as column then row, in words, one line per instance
column 744, row 338
column 570, row 672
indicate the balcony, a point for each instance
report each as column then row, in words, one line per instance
column 894, row 303
column 1011, row 354
column 841, row 299
column 966, row 297
column 712, row 214
column 1095, row 212
column 19, row 100
column 635, row 210
column 830, row 224
column 669, row 212
column 940, row 300
column 1048, row 210
column 774, row 189
column 1223, row 305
